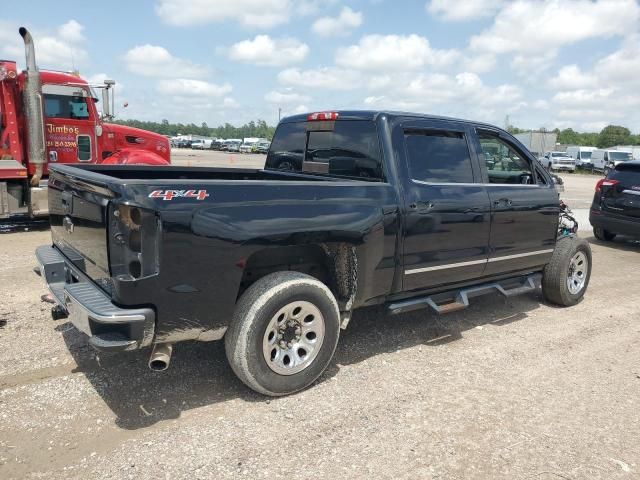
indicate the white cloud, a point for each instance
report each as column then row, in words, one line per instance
column 461, row 10
column 62, row 49
column 155, row 61
column 479, row 63
column 229, row 102
column 184, row 87
column 313, row 7
column 343, row 24
column 266, row 51
column 570, row 77
column 622, row 66
column 285, row 98
column 71, row 32
column 463, row 95
column 390, row 52
column 531, row 27
column 252, row 13
column 329, row 78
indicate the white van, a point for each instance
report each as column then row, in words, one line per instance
column 604, row 159
column 582, row 155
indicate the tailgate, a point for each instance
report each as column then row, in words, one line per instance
column 78, row 212
column 623, row 197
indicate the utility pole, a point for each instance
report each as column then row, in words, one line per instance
column 279, row 113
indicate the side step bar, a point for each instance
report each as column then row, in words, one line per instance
column 455, row 300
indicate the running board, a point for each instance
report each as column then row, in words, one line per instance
column 455, row 300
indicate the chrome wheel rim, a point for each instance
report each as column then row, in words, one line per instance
column 577, row 275
column 293, row 338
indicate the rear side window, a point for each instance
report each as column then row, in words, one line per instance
column 287, row 147
column 348, row 148
column 626, row 176
column 438, row 156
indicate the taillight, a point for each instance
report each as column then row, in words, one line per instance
column 605, row 182
column 133, row 242
column 319, row 116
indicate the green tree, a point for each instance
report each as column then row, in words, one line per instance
column 613, row 135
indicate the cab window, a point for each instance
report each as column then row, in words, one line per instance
column 61, row 101
column 504, row 164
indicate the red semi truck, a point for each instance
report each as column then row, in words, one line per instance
column 51, row 117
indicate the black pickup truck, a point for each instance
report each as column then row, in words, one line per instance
column 353, row 208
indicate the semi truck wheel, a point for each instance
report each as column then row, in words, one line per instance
column 566, row 276
column 283, row 334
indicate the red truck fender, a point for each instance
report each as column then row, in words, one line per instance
column 133, row 156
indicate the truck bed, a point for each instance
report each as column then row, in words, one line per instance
column 105, row 174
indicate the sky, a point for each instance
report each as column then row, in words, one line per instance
column 542, row 63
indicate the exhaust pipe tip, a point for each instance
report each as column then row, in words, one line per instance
column 23, row 32
column 160, row 357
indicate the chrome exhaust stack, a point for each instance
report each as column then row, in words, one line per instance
column 160, row 357
column 33, row 108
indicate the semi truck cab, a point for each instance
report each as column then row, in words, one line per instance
column 50, row 117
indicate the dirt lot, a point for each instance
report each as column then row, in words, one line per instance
column 510, row 388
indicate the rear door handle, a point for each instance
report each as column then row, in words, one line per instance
column 422, row 207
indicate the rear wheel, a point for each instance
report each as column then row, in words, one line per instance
column 603, row 235
column 566, row 276
column 283, row 334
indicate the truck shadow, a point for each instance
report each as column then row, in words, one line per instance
column 199, row 374
column 621, row 242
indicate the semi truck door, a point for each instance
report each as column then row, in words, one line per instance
column 446, row 227
column 524, row 205
column 70, row 121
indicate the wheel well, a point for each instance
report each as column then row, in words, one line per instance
column 334, row 264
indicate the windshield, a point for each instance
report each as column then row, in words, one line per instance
column 558, row 154
column 624, row 156
column 585, row 155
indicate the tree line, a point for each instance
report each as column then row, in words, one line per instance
column 258, row 129
column 609, row 136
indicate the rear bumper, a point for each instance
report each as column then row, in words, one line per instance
column 109, row 327
column 615, row 224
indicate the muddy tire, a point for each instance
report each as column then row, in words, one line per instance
column 283, row 334
column 603, row 235
column 566, row 277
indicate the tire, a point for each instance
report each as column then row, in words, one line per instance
column 603, row 235
column 562, row 283
column 257, row 319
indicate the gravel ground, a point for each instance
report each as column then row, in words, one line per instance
column 509, row 388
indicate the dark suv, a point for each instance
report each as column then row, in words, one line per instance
column 616, row 203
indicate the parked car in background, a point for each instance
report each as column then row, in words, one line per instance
column 203, row 144
column 216, row 144
column 233, row 145
column 261, row 147
column 183, row 143
column 616, row 203
column 582, row 156
column 607, row 159
column 246, row 147
column 558, row 161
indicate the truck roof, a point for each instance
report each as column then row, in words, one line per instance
column 373, row 114
column 52, row 76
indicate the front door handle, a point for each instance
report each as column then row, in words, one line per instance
column 503, row 201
